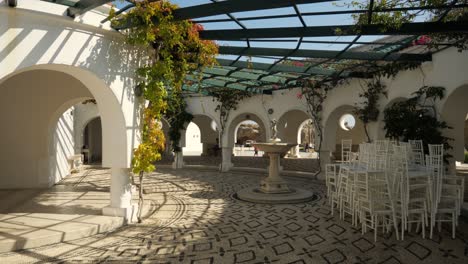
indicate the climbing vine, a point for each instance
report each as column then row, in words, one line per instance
column 177, row 117
column 228, row 100
column 400, row 15
column 368, row 110
column 175, row 50
column 416, row 118
column 315, row 92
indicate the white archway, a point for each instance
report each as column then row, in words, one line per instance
column 454, row 112
column 209, row 134
column 56, row 89
column 193, row 145
column 289, row 128
column 333, row 133
column 233, row 125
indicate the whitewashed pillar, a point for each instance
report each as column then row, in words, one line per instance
column 121, row 195
column 178, row 160
column 324, row 160
column 226, row 163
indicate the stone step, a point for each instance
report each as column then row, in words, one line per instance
column 14, row 198
column 30, row 230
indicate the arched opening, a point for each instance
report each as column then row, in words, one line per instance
column 339, row 126
column 306, row 139
column 37, row 139
column 247, row 133
column 92, row 142
column 235, row 123
column 454, row 112
column 193, row 145
column 209, row 135
column 291, row 126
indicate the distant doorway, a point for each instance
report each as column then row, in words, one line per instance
column 92, row 148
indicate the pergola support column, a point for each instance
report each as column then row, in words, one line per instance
column 324, row 160
column 120, row 195
column 178, row 160
column 226, row 163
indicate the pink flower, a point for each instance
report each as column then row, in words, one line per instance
column 422, row 40
column 297, row 63
column 299, row 95
column 275, row 86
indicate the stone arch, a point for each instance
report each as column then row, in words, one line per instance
column 193, row 145
column 454, row 111
column 208, row 132
column 234, row 123
column 332, row 133
column 289, row 128
column 290, row 123
column 56, row 89
column 87, row 112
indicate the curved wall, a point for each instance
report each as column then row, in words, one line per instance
column 30, row 106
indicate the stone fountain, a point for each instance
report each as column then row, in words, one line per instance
column 274, row 189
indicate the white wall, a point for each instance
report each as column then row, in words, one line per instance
column 63, row 144
column 33, row 146
column 193, row 145
column 83, row 114
column 38, row 34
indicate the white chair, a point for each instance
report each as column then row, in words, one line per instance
column 417, row 152
column 413, row 201
column 331, row 180
column 346, row 145
column 378, row 209
column 446, row 191
column 345, row 193
column 382, row 146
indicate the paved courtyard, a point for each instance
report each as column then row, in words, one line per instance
column 196, row 220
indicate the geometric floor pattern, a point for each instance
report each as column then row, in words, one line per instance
column 197, row 221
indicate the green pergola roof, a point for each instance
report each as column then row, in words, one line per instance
column 269, row 44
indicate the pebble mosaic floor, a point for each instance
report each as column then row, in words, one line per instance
column 197, row 221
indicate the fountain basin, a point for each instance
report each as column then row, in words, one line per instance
column 274, row 147
column 274, row 189
column 295, row 195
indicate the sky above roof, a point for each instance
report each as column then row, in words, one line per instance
column 289, row 43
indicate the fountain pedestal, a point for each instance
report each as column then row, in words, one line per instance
column 274, row 189
column 274, row 183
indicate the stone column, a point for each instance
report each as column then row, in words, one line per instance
column 226, row 163
column 324, row 160
column 178, row 160
column 120, row 195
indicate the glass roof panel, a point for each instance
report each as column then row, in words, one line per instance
column 259, row 33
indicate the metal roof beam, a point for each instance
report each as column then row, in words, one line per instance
column 325, row 54
column 220, row 83
column 284, row 68
column 84, row 6
column 335, row 12
column 244, row 75
column 418, row 28
column 233, row 6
